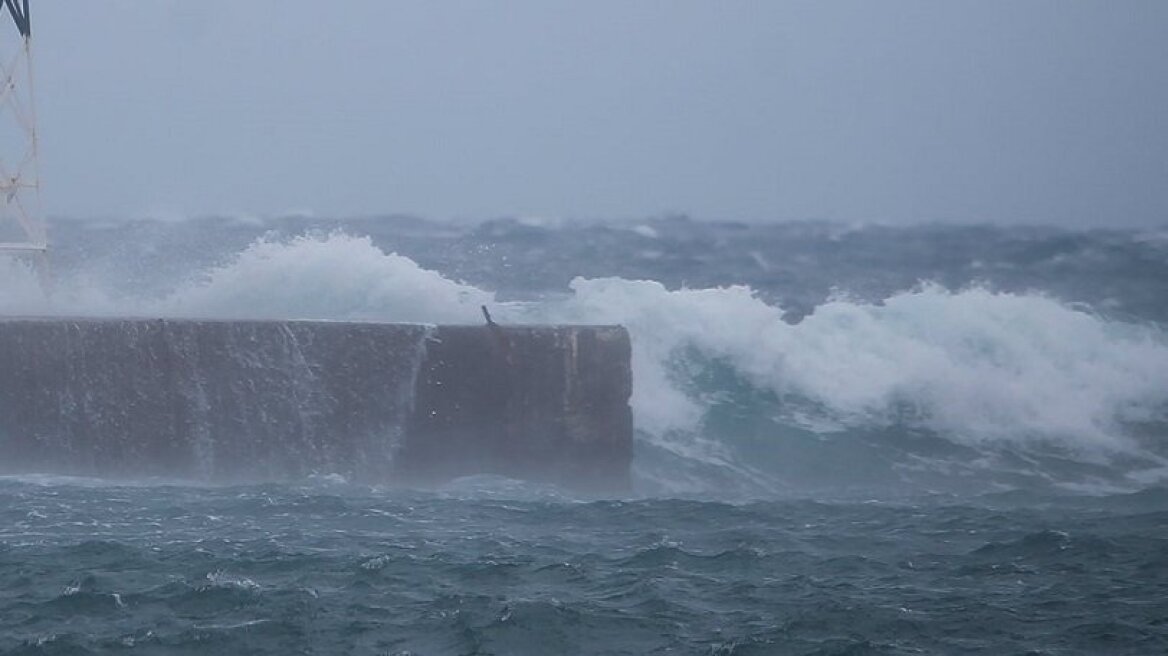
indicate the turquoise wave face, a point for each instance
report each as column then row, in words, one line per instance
column 753, row 441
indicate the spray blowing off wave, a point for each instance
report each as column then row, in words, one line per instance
column 338, row 277
column 23, row 292
column 978, row 372
column 978, row 365
column 722, row 384
column 334, row 277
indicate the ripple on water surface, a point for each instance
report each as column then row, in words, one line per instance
column 339, row 569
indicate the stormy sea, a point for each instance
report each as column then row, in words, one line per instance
column 849, row 439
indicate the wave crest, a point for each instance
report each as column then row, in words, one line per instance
column 337, row 277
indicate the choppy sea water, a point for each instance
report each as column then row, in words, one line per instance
column 485, row 569
column 850, row 440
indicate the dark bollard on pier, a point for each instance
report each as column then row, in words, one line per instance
column 239, row 401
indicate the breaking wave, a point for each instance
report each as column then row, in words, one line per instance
column 956, row 381
column 326, row 277
column 930, row 388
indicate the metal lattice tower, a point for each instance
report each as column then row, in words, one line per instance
column 22, row 229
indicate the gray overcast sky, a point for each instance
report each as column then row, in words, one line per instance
column 1050, row 111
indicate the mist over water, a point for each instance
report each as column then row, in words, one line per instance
column 792, row 359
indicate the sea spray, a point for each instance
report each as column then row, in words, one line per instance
column 981, row 371
column 726, row 387
column 981, row 365
column 336, row 276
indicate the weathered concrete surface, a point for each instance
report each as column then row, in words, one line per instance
column 263, row 400
column 541, row 403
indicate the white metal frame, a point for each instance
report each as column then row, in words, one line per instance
column 19, row 174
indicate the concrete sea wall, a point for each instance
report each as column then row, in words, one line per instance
column 270, row 400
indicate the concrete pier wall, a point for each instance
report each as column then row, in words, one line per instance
column 269, row 400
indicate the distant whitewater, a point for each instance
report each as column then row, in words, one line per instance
column 803, row 358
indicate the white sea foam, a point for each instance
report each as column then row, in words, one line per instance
column 326, row 277
column 978, row 366
column 322, row 277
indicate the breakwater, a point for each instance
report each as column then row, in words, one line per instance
column 270, row 400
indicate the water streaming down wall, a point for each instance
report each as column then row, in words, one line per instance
column 264, row 400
